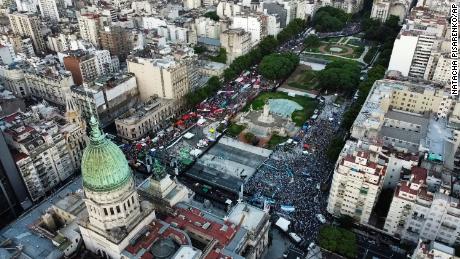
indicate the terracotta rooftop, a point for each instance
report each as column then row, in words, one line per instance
column 419, row 175
column 154, row 231
column 192, row 220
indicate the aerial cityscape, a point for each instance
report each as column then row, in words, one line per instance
column 229, row 129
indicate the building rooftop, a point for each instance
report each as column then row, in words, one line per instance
column 141, row 111
column 34, row 244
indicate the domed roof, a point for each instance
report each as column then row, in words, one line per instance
column 103, row 166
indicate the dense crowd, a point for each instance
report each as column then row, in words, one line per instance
column 290, row 179
column 232, row 97
column 350, row 29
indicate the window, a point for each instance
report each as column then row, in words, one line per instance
column 129, row 204
column 105, row 212
column 111, row 211
column 118, row 209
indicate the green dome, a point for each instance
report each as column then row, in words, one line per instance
column 103, row 166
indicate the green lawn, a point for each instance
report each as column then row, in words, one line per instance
column 306, row 81
column 370, row 54
column 338, row 240
column 235, row 129
column 356, row 42
column 275, row 140
column 299, row 117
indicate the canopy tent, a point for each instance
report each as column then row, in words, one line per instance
column 189, row 135
column 283, row 224
column 287, row 208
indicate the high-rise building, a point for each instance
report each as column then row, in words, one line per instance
column 255, row 24
column 383, row 9
column 433, row 249
column 421, row 37
column 13, row 194
column 28, row 25
column 90, row 24
column 116, row 40
column 419, row 212
column 41, row 144
column 236, row 42
column 82, row 65
column 165, row 77
column 357, row 182
column 49, row 9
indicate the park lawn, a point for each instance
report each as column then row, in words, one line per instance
column 275, row 140
column 235, row 129
column 338, row 240
column 370, row 54
column 356, row 42
column 332, row 40
column 325, row 57
column 306, row 81
column 298, row 117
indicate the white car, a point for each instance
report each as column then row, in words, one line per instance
column 321, row 218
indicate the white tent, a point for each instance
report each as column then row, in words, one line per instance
column 189, row 135
column 283, row 224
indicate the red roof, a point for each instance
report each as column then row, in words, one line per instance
column 192, row 220
column 419, row 175
column 145, row 242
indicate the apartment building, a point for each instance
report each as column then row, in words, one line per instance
column 357, row 182
column 418, row 213
column 47, row 79
column 383, row 9
column 236, row 42
column 116, row 40
column 39, row 140
column 207, row 28
column 90, row 24
column 164, row 77
column 107, row 96
column 421, row 36
column 255, row 24
column 82, row 65
column 439, row 68
column 348, row 6
column 407, row 115
column 12, row 77
column 49, row 9
column 28, row 25
column 433, row 249
column 144, row 118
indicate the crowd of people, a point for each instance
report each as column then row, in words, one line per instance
column 291, row 179
column 232, row 97
column 350, row 29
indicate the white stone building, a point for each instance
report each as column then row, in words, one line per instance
column 416, row 213
column 357, row 182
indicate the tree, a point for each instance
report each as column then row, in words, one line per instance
column 346, row 222
column 340, row 75
column 251, row 138
column 293, row 28
column 334, row 149
column 312, row 41
column 199, row 49
column 212, row 15
column 268, row 45
column 278, row 66
column 338, row 240
column 329, row 19
column 221, row 57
